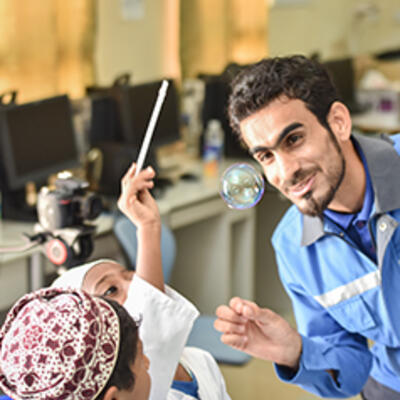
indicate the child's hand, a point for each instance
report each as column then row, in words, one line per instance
column 139, row 206
column 136, row 201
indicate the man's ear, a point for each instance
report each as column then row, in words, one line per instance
column 340, row 121
column 112, row 393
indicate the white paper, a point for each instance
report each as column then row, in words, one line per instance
column 132, row 9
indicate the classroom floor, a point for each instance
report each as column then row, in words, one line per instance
column 257, row 381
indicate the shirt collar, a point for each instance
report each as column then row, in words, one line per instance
column 383, row 164
column 342, row 219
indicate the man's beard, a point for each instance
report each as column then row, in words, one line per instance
column 315, row 206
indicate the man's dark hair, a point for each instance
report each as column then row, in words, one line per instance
column 295, row 77
column 122, row 376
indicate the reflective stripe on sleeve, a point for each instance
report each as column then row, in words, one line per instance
column 351, row 289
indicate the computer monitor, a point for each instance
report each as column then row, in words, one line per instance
column 37, row 140
column 138, row 104
column 342, row 74
column 215, row 107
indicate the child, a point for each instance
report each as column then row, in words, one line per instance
column 194, row 373
column 66, row 344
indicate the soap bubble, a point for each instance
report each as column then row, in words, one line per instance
column 242, row 186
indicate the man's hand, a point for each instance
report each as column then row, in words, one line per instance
column 259, row 332
column 136, row 201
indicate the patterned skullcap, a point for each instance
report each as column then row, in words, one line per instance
column 58, row 344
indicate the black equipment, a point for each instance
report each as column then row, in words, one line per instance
column 343, row 76
column 120, row 115
column 37, row 140
column 64, row 231
column 217, row 90
column 63, row 214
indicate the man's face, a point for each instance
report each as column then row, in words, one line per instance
column 298, row 155
column 110, row 280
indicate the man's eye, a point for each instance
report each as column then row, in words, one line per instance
column 265, row 156
column 292, row 139
column 112, row 290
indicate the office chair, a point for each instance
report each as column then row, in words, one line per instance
column 125, row 232
column 203, row 334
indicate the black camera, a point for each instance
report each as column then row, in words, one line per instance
column 67, row 205
column 62, row 212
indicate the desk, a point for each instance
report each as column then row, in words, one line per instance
column 24, row 271
column 215, row 246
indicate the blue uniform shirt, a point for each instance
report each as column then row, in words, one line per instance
column 342, row 295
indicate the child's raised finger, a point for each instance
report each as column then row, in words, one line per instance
column 131, row 171
column 129, row 174
column 138, row 184
column 148, row 173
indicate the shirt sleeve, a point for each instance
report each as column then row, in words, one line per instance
column 166, row 321
column 325, row 346
column 206, row 370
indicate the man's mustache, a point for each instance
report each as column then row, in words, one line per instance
column 299, row 176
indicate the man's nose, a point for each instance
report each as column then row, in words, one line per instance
column 287, row 165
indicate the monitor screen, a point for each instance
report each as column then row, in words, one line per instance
column 38, row 140
column 138, row 107
column 342, row 74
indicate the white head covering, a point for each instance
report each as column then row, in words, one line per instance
column 73, row 278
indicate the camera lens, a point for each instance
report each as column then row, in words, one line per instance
column 91, row 207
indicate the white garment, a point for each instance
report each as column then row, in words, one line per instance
column 209, row 378
column 73, row 277
column 167, row 319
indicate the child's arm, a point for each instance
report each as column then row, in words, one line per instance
column 139, row 206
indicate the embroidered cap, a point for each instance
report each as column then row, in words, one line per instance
column 58, row 344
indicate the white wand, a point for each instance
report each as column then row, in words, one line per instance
column 150, row 128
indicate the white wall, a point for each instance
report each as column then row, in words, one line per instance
column 148, row 47
column 145, row 47
column 334, row 28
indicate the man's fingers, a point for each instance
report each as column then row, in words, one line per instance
column 238, row 342
column 228, row 314
column 250, row 310
column 244, row 307
column 229, row 327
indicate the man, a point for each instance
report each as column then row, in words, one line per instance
column 337, row 247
